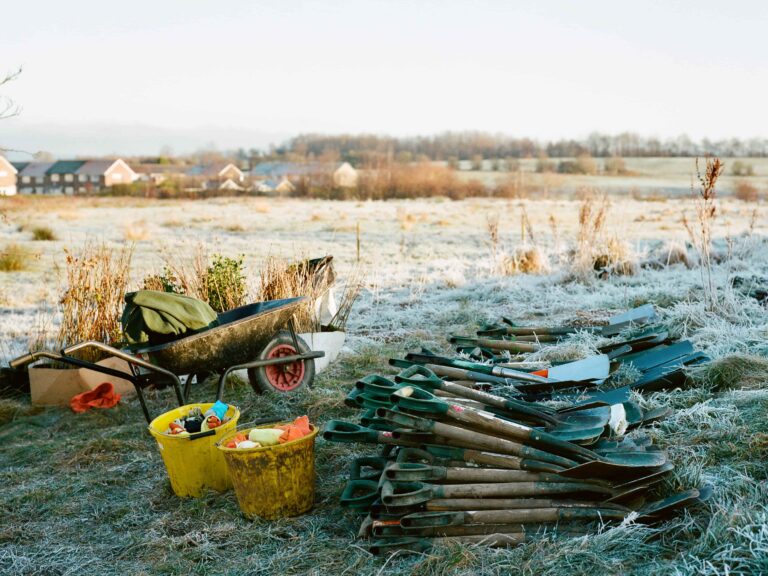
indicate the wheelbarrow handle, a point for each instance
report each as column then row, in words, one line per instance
column 131, row 360
column 31, row 358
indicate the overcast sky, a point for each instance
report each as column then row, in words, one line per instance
column 126, row 77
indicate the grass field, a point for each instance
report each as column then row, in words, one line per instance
column 87, row 494
column 651, row 177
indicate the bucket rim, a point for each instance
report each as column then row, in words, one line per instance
column 312, row 434
column 175, row 437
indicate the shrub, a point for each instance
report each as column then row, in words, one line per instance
column 615, row 166
column 740, row 168
column 544, row 164
column 584, row 164
column 225, row 283
column 15, row 258
column 43, row 233
column 745, row 191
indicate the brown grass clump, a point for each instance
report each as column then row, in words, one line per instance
column 311, row 279
column 43, row 233
column 526, row 260
column 615, row 257
column 95, row 280
column 670, row 253
column 136, row 232
column 746, row 191
column 16, row 258
column 594, row 254
column 733, row 372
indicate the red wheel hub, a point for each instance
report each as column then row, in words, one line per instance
column 284, row 377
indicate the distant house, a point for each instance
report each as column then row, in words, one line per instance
column 342, row 174
column 159, row 173
column 222, row 176
column 220, row 172
column 31, row 178
column 228, row 184
column 269, row 186
column 7, row 177
column 72, row 176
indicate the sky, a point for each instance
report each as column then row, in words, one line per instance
column 135, row 77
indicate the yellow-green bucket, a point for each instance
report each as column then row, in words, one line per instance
column 273, row 481
column 193, row 465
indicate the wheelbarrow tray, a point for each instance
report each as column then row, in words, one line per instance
column 242, row 333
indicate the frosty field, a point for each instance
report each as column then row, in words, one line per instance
column 87, row 494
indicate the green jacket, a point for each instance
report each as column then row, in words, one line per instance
column 158, row 317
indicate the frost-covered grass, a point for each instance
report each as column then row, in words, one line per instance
column 88, row 494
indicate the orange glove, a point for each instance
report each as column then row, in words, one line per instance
column 103, row 396
column 298, row 429
column 236, row 439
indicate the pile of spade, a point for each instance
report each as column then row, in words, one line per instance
column 472, row 449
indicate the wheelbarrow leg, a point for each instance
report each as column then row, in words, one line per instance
column 187, row 386
column 292, row 330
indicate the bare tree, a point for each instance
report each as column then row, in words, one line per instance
column 8, row 107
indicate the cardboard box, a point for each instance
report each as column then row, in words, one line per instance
column 57, row 386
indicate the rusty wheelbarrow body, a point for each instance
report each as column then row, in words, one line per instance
column 260, row 338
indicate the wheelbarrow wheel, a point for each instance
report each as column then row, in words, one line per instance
column 282, row 377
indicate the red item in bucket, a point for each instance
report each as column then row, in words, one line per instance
column 176, row 428
column 236, row 439
column 298, row 429
column 213, row 421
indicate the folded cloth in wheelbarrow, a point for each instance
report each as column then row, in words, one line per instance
column 155, row 317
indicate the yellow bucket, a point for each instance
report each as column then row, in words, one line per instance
column 273, row 481
column 193, row 465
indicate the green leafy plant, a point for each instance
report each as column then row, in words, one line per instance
column 225, row 282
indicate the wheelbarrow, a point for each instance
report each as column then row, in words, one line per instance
column 260, row 338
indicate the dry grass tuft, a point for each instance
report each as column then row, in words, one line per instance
column 733, row 372
column 526, row 260
column 136, row 232
column 281, row 279
column 95, row 280
column 615, row 258
column 746, row 191
column 593, row 253
column 16, row 258
column 43, row 233
column 68, row 215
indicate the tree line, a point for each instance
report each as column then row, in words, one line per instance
column 360, row 149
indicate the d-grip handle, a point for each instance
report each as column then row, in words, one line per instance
column 359, row 494
column 419, row 400
column 341, row 431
